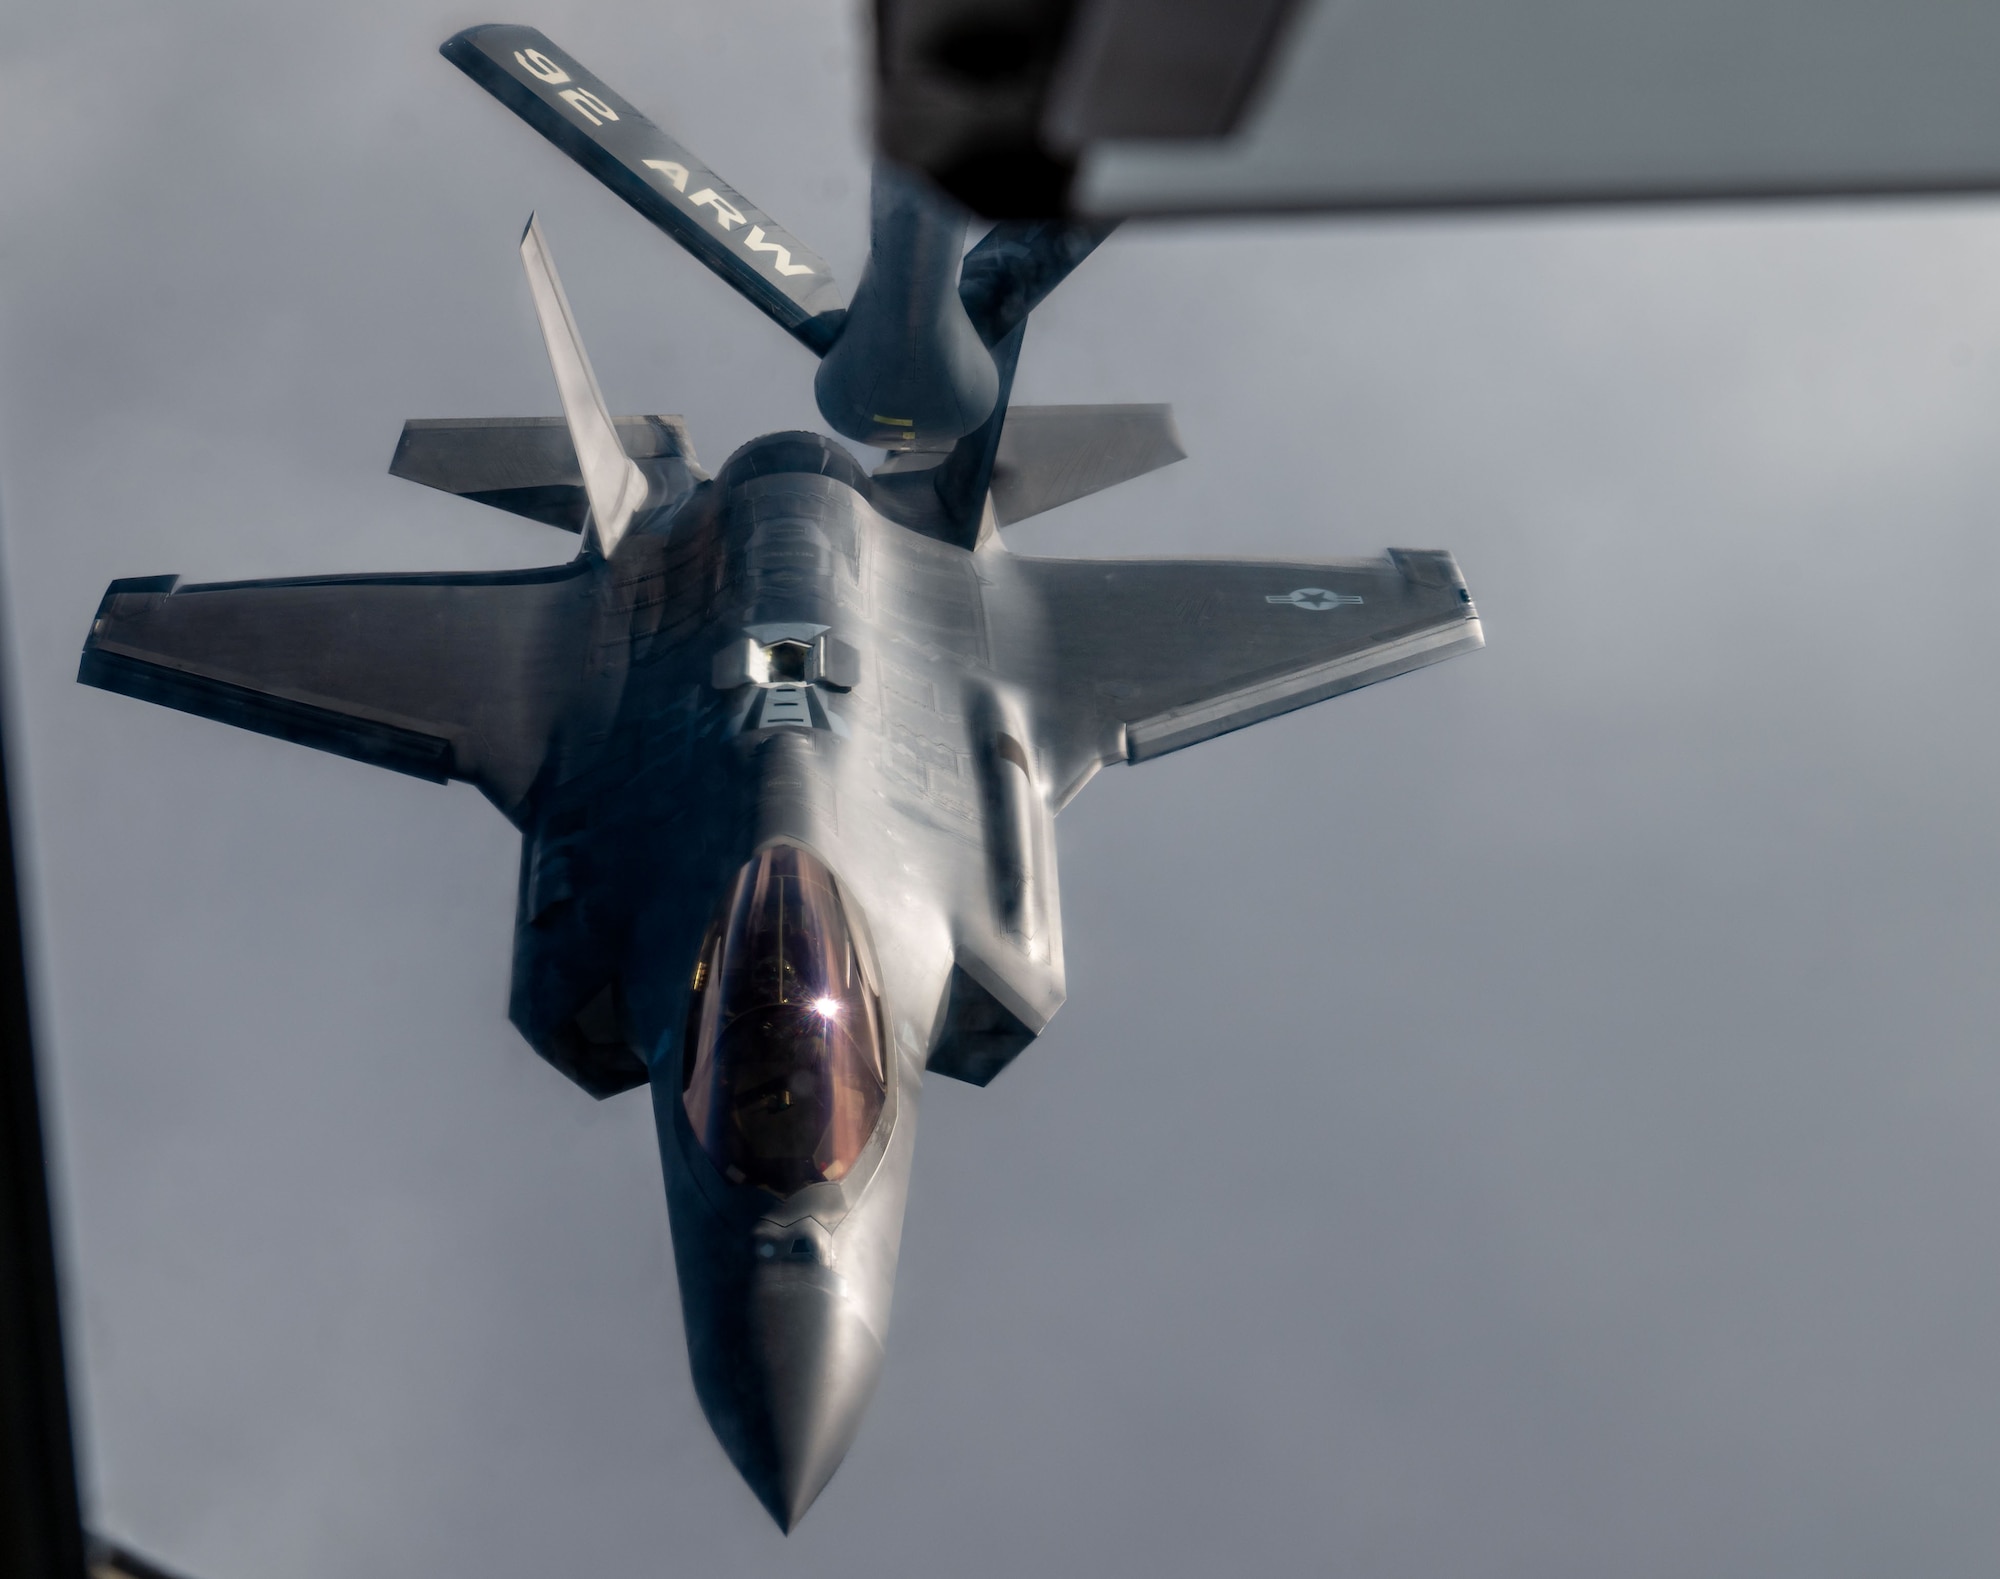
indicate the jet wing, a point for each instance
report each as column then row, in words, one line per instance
column 1143, row 657
column 439, row 676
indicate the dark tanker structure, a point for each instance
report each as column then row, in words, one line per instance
column 785, row 744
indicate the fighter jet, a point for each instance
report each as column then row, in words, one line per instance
column 785, row 744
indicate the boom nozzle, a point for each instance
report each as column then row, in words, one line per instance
column 909, row 370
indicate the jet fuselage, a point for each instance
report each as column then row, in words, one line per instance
column 777, row 665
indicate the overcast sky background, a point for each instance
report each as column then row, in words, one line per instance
column 1537, row 1117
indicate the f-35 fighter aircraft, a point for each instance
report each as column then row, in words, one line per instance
column 785, row 744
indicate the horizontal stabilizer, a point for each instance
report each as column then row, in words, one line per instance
column 527, row 465
column 1050, row 455
column 601, row 131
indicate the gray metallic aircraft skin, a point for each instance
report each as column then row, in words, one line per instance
column 787, row 1301
column 794, row 738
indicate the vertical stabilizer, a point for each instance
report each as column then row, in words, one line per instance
column 615, row 486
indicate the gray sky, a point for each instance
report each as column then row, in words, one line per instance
column 1536, row 1117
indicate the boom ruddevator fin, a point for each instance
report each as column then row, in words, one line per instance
column 612, row 479
column 598, row 128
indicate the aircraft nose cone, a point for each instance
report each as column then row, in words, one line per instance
column 803, row 1370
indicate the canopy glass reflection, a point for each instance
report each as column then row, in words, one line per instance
column 783, row 1075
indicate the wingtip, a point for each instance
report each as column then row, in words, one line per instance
column 466, row 35
column 458, row 47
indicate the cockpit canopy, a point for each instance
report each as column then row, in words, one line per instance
column 783, row 1074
